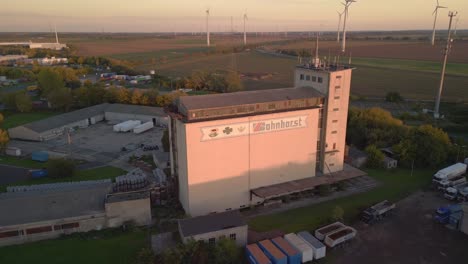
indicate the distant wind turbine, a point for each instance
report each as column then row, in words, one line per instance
column 245, row 32
column 339, row 26
column 56, row 35
column 435, row 13
column 207, row 27
column 346, row 4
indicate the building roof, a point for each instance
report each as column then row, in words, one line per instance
column 81, row 114
column 210, row 223
column 37, row 206
column 247, row 97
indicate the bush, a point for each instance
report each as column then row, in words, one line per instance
column 165, row 140
column 324, row 190
column 375, row 157
column 60, row 168
column 337, row 214
column 393, row 97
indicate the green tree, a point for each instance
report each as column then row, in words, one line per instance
column 49, row 81
column 233, row 82
column 123, row 96
column 375, row 157
column 226, row 252
column 337, row 214
column 23, row 102
column 165, row 141
column 145, row 256
column 60, row 168
column 3, row 135
column 61, row 99
column 136, row 97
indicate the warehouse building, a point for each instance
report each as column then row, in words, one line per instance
column 212, row 228
column 234, row 150
column 55, row 126
column 78, row 207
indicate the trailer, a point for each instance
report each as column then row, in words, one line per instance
column 320, row 250
column 377, row 212
column 323, row 231
column 301, row 245
column 130, row 126
column 449, row 173
column 117, row 127
column 452, row 193
column 143, row 127
column 340, row 236
column 293, row 255
column 443, row 185
column 272, row 252
column 255, row 255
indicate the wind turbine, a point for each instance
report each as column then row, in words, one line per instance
column 207, row 27
column 56, row 35
column 339, row 26
column 456, row 25
column 245, row 32
column 436, row 11
column 346, row 4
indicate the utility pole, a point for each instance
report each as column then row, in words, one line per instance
column 444, row 65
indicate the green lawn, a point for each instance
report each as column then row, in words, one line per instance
column 169, row 54
column 21, row 162
column 102, row 247
column 17, row 119
column 396, row 185
column 85, row 175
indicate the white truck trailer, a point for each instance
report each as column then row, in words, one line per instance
column 340, row 236
column 443, row 185
column 449, row 173
column 451, row 193
column 143, row 127
column 130, row 126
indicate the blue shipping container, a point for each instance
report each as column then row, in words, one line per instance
column 255, row 255
column 294, row 256
column 40, row 156
column 272, row 252
column 37, row 174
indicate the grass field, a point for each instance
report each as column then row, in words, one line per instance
column 23, row 162
column 396, row 185
column 17, row 119
column 85, row 175
column 98, row 247
column 169, row 54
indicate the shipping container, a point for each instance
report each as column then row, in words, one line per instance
column 40, row 156
column 320, row 250
column 130, row 126
column 37, row 174
column 272, row 252
column 293, row 255
column 12, row 151
column 323, row 231
column 143, row 127
column 340, row 236
column 302, row 246
column 255, row 255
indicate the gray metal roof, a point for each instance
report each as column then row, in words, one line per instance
column 30, row 207
column 248, row 97
column 88, row 112
column 210, row 223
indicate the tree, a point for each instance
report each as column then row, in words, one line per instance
column 337, row 214
column 60, row 168
column 165, row 141
column 123, row 96
column 3, row 139
column 375, row 157
column 226, row 251
column 49, row 81
column 144, row 100
column 145, row 256
column 136, row 96
column 23, row 102
column 233, row 82
column 61, row 99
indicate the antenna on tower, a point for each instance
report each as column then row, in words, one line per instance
column 436, row 11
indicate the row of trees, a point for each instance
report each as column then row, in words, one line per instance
column 375, row 128
column 3, row 135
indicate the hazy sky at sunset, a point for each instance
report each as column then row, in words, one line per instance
column 188, row 15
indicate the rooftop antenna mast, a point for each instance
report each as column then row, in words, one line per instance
column 245, row 32
column 339, row 26
column 346, row 5
column 444, row 65
column 207, row 27
column 435, row 13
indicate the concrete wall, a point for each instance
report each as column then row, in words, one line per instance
column 239, row 158
column 241, row 235
column 86, row 223
column 22, row 132
column 137, row 211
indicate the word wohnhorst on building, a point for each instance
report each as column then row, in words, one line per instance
column 230, row 151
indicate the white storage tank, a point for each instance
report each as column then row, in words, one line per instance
column 320, row 250
column 143, row 127
column 301, row 245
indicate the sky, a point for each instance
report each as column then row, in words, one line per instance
column 189, row 15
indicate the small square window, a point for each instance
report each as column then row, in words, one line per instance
column 307, row 77
column 335, row 121
column 314, row 78
column 320, row 80
column 338, row 77
column 337, row 87
column 232, row 236
column 302, row 77
column 334, row 132
column 334, row 145
column 331, row 164
column 336, row 109
column 337, row 98
column 212, row 241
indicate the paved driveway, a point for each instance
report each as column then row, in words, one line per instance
column 11, row 174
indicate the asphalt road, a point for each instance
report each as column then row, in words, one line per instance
column 10, row 174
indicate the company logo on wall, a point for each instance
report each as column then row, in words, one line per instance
column 253, row 127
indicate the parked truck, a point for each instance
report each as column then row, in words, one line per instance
column 451, row 193
column 449, row 173
column 443, row 185
column 443, row 213
column 377, row 212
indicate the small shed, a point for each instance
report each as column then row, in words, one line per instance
column 390, row 163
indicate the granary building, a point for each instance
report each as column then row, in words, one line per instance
column 230, row 151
